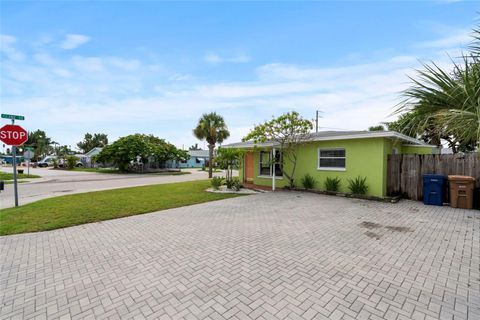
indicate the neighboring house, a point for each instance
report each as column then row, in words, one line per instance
column 95, row 151
column 342, row 154
column 198, row 159
column 9, row 159
column 86, row 158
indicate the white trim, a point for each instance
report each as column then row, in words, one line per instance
column 272, row 165
column 270, row 177
column 273, row 168
column 371, row 134
column 419, row 146
column 331, row 168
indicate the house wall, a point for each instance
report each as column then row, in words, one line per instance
column 419, row 150
column 192, row 163
column 364, row 157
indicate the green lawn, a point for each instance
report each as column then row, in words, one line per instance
column 9, row 176
column 82, row 208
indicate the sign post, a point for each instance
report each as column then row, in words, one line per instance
column 28, row 155
column 15, row 136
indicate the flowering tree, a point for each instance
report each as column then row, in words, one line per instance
column 286, row 132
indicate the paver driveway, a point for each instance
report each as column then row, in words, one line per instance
column 265, row 256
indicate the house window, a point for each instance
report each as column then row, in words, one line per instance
column 267, row 165
column 331, row 159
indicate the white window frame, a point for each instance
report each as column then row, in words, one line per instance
column 331, row 168
column 272, row 165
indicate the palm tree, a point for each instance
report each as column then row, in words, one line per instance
column 446, row 105
column 212, row 128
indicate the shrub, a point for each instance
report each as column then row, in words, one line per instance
column 358, row 185
column 236, row 184
column 71, row 162
column 216, row 182
column 332, row 184
column 229, row 183
column 308, row 182
column 55, row 164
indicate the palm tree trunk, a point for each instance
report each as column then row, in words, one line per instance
column 210, row 162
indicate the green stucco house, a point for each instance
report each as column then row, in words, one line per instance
column 342, row 154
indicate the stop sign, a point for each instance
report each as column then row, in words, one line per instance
column 13, row 135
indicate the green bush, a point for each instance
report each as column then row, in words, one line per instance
column 55, row 164
column 332, row 184
column 233, row 183
column 236, row 184
column 308, row 182
column 216, row 182
column 358, row 185
column 229, row 183
column 71, row 162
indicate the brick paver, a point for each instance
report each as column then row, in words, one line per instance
column 267, row 256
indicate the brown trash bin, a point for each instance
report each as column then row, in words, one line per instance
column 461, row 191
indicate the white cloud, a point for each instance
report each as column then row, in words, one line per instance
column 73, row 41
column 454, row 39
column 125, row 64
column 214, row 58
column 88, row 64
column 8, row 49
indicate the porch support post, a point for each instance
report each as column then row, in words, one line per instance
column 273, row 170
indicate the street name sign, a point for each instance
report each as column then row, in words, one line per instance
column 12, row 116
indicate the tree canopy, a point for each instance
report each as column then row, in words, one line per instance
column 229, row 159
column 40, row 143
column 125, row 151
column 286, row 131
column 92, row 141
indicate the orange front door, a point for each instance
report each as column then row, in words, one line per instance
column 248, row 167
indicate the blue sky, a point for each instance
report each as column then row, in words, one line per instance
column 155, row 67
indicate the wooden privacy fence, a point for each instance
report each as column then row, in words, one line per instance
column 405, row 171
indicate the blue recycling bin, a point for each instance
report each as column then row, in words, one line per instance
column 434, row 189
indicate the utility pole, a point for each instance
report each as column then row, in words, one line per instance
column 316, row 119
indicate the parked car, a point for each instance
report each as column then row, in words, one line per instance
column 46, row 162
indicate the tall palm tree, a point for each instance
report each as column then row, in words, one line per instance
column 212, row 128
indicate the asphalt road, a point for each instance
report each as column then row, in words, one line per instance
column 59, row 182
